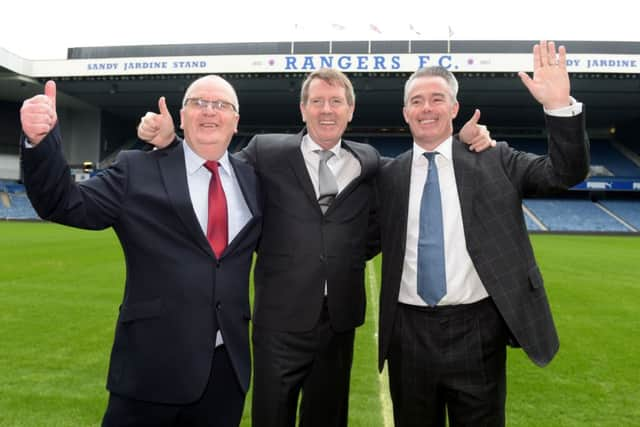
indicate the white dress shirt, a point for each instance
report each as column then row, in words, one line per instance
column 198, row 177
column 343, row 164
column 463, row 283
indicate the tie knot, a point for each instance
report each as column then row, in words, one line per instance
column 430, row 156
column 212, row 165
column 325, row 155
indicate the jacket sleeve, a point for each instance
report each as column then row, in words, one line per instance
column 93, row 204
column 565, row 164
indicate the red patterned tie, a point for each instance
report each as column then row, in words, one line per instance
column 217, row 232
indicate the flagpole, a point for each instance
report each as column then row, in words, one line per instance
column 414, row 33
column 293, row 39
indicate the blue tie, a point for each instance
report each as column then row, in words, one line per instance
column 432, row 279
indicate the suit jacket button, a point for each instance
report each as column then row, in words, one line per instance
column 218, row 305
column 323, row 258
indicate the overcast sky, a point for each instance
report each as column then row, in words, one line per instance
column 45, row 29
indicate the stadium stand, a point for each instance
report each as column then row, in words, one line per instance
column 390, row 146
column 633, row 145
column 606, row 158
column 530, row 223
column 574, row 215
column 14, row 203
column 627, row 210
column 603, row 153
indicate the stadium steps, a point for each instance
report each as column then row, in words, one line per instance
column 628, row 211
column 532, row 221
column 616, row 217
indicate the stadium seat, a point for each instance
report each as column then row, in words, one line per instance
column 574, row 215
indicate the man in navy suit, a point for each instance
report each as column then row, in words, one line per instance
column 181, row 351
column 446, row 345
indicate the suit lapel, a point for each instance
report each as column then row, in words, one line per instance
column 247, row 181
column 464, row 166
column 366, row 164
column 400, row 195
column 295, row 158
column 174, row 176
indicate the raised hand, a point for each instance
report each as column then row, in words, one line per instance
column 38, row 114
column 157, row 129
column 476, row 136
column 550, row 83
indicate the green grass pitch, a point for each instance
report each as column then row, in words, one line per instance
column 60, row 290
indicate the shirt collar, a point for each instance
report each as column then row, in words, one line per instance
column 308, row 145
column 194, row 162
column 444, row 149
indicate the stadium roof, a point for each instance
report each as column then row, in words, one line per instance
column 126, row 81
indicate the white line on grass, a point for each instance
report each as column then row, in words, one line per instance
column 383, row 380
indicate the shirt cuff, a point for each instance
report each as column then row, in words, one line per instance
column 26, row 143
column 570, row 111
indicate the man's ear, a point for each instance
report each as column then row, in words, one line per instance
column 304, row 119
column 454, row 110
column 404, row 114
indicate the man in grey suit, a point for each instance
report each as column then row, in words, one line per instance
column 444, row 331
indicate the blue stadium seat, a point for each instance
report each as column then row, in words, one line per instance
column 573, row 215
column 603, row 153
column 21, row 207
column 628, row 210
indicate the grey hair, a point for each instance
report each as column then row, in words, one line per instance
column 435, row 71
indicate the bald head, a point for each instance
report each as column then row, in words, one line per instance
column 219, row 82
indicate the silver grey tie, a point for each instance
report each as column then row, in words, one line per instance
column 327, row 185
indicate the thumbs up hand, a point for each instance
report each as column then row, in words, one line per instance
column 476, row 136
column 157, row 128
column 38, row 114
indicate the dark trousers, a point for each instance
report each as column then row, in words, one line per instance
column 220, row 405
column 317, row 362
column 448, row 360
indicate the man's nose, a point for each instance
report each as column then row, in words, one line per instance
column 326, row 106
column 210, row 109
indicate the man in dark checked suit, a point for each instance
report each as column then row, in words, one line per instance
column 454, row 295
column 188, row 219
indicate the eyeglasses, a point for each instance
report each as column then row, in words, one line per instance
column 218, row 105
